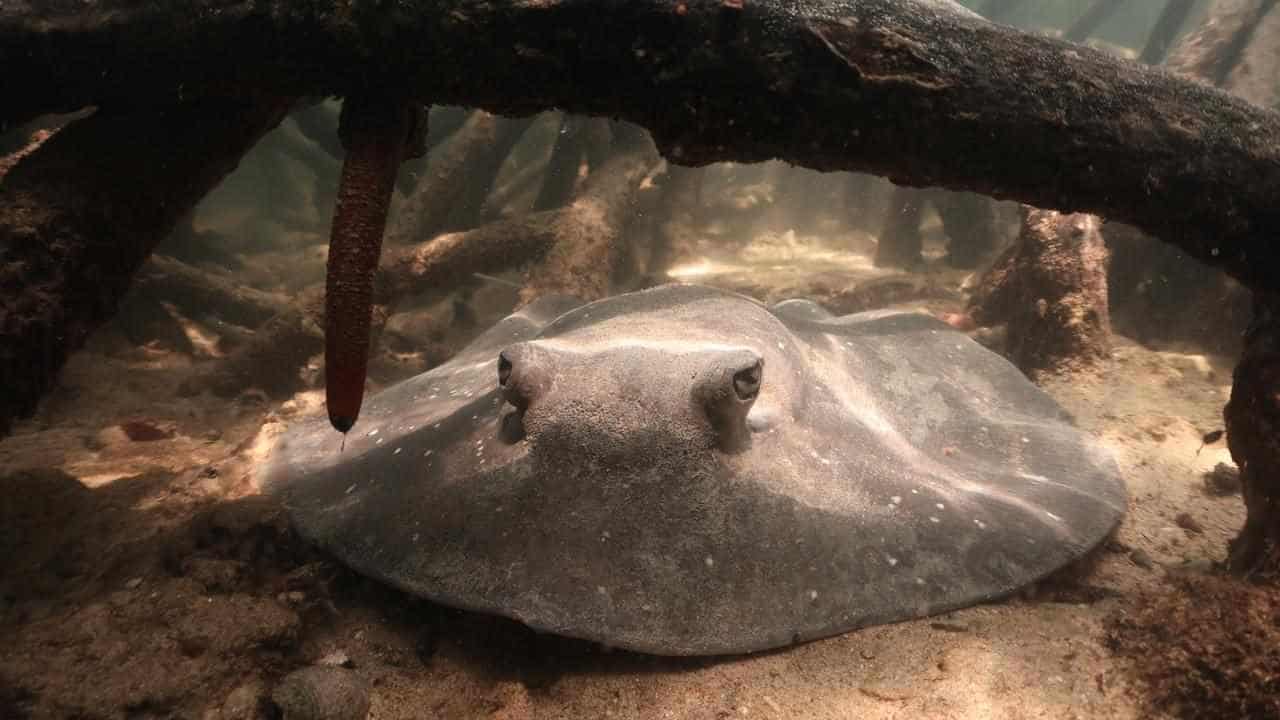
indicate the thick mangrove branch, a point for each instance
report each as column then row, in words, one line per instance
column 920, row 91
column 80, row 215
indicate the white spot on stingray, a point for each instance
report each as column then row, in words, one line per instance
column 813, row 594
column 378, row 442
column 436, row 426
column 933, row 519
column 373, row 432
column 981, row 525
column 895, row 499
column 781, row 346
column 919, row 581
column 915, row 492
column 940, row 506
column 892, row 560
column 1026, row 439
column 427, row 453
column 710, row 561
column 350, row 489
column 1055, row 517
column 396, row 452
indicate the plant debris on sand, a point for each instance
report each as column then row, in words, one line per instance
column 1211, row 649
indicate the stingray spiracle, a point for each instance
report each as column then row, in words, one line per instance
column 378, row 132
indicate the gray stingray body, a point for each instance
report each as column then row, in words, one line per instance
column 638, row 481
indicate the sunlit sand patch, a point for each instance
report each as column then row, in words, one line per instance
column 101, row 479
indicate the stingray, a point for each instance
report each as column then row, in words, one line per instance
column 685, row 471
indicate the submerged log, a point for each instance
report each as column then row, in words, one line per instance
column 561, row 173
column 599, row 209
column 1253, row 435
column 1050, row 286
column 586, row 254
column 969, row 222
column 917, row 90
column 73, row 231
column 451, row 194
column 197, row 292
column 1166, row 29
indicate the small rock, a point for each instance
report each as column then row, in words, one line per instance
column 336, row 658
column 1188, row 523
column 244, row 703
column 134, row 583
column 1222, row 480
column 992, row 338
column 514, row 702
column 887, row 693
column 1141, row 558
column 295, row 596
column 214, row 574
column 960, row 321
column 322, row 693
column 193, row 645
column 144, row 431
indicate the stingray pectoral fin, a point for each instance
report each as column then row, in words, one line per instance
column 726, row 390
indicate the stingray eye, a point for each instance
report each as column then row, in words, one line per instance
column 504, row 369
column 726, row 389
column 746, row 382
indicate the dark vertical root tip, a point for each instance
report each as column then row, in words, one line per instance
column 341, row 424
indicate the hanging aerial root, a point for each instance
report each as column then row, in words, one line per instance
column 378, row 132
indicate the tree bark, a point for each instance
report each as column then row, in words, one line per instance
column 1253, row 435
column 917, row 90
column 200, row 293
column 457, row 182
column 561, row 174
column 73, row 230
column 1051, row 288
column 586, row 256
column 599, row 211
column 1212, row 51
column 1166, row 29
column 272, row 358
column 969, row 222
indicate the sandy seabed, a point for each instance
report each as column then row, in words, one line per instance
column 142, row 577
